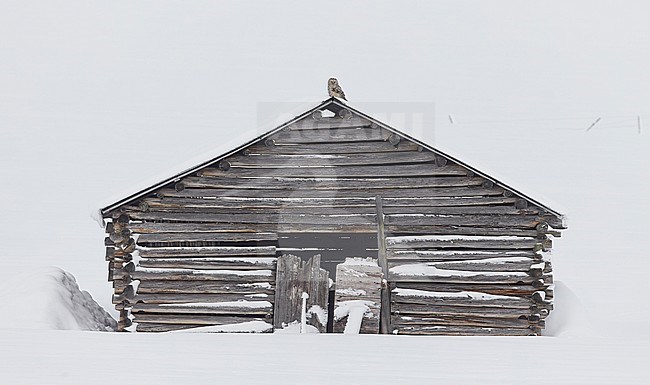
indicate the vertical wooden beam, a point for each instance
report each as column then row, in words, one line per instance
column 384, row 318
column 294, row 277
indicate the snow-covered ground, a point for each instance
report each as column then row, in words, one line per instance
column 49, row 298
column 96, row 98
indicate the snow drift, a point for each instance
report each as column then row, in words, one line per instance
column 49, row 298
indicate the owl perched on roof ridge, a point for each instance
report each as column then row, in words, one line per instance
column 334, row 89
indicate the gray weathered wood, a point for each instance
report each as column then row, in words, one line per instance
column 403, row 309
column 153, row 286
column 271, row 182
column 516, row 221
column 461, row 321
column 377, row 171
column 361, row 134
column 277, row 161
column 369, row 202
column 524, row 291
column 255, row 218
column 480, row 265
column 384, row 319
column 252, row 276
column 210, row 263
column 206, row 237
column 397, row 255
column 151, row 227
column 461, row 331
column 216, row 251
column 402, row 296
column 234, row 308
column 194, row 319
column 329, row 123
column 159, row 298
column 452, row 192
column 295, row 277
column 450, row 276
column 424, row 242
column 166, row 327
column 335, row 148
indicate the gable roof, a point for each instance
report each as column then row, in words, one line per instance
column 334, row 105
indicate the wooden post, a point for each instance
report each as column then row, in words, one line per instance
column 384, row 318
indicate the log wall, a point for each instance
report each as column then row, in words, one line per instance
column 465, row 254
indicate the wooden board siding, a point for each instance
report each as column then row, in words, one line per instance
column 202, row 250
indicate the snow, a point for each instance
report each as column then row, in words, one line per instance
column 360, row 261
column 355, row 310
column 49, row 298
column 319, row 312
column 98, row 98
column 295, row 328
column 351, row 292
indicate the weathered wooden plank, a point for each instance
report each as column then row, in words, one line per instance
column 329, row 123
column 398, row 230
column 361, row 134
column 151, row 227
column 463, row 321
column 298, row 228
column 329, row 183
column 430, row 310
column 161, row 298
column 431, row 274
column 397, row 255
column 210, row 193
column 338, row 202
column 215, row 308
column 295, row 277
column 461, row 331
column 459, row 298
column 193, row 319
column 247, row 276
column 255, row 218
column 164, row 327
column 319, row 160
column 454, row 242
column 491, row 221
column 372, row 171
column 212, row 251
column 516, row 221
column 334, row 148
column 238, row 263
column 154, row 286
column 161, row 328
column 145, row 239
column 495, row 289
column 491, row 264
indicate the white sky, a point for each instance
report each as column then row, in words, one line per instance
column 97, row 96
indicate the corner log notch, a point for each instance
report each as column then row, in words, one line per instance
column 461, row 253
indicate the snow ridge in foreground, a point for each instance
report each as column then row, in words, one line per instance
column 49, row 298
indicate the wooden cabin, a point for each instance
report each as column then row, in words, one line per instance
column 384, row 233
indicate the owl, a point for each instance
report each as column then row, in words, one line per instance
column 334, row 89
